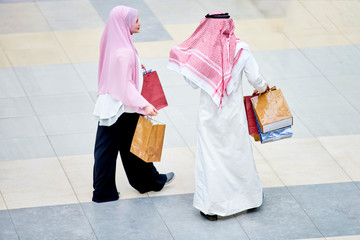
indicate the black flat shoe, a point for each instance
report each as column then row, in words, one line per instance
column 209, row 217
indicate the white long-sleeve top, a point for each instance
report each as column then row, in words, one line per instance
column 107, row 109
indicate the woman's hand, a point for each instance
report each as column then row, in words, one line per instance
column 150, row 110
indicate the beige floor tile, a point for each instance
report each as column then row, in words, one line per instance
column 41, row 56
column 261, row 34
column 301, row 162
column 2, row 203
column 81, row 45
column 271, row 41
column 312, row 239
column 26, row 49
column 324, row 12
column 34, row 182
column 299, row 21
column 345, row 150
column 259, row 26
column 28, row 40
column 193, row 150
column 181, row 161
column 21, row 17
column 320, row 40
column 353, row 237
column 79, row 170
column 180, row 32
column 160, row 49
column 353, row 34
column 3, row 59
column 267, row 175
column 334, row 14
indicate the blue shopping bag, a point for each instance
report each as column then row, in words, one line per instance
column 275, row 135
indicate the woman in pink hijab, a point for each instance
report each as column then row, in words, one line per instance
column 117, row 109
column 214, row 60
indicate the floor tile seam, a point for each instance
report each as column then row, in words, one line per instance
column 241, row 226
column 300, row 118
column 64, row 51
column 46, row 135
column 50, row 31
column 10, row 215
column 34, row 110
column 306, row 212
column 56, row 155
column 148, row 197
column 288, row 190
column 181, row 136
column 7, row 57
column 325, row 77
column 162, row 219
column 270, row 166
column 300, row 50
column 287, row 187
column 302, row 122
column 334, row 24
column 284, row 33
column 334, row 159
column 14, row 65
column 322, row 146
column 54, row 31
column 70, row 62
column 311, row 14
column 74, row 192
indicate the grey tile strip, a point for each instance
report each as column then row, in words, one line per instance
column 55, row 222
column 297, row 212
column 127, row 219
column 334, row 208
column 151, row 28
column 7, row 227
column 280, row 217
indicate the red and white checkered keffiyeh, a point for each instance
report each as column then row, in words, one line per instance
column 207, row 56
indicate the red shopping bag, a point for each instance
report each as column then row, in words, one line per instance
column 253, row 130
column 152, row 89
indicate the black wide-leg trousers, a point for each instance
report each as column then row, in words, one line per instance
column 109, row 141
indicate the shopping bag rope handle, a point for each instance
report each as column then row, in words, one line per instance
column 256, row 92
column 152, row 119
column 143, row 67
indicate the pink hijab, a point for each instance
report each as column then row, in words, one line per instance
column 207, row 56
column 118, row 63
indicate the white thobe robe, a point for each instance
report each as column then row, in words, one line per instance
column 226, row 179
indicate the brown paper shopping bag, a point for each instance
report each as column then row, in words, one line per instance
column 148, row 140
column 272, row 111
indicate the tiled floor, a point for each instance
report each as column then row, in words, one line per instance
column 48, row 77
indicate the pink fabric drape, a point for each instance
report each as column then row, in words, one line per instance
column 208, row 54
column 118, row 64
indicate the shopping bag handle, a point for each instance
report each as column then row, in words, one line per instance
column 256, row 92
column 145, row 71
column 152, row 118
column 143, row 67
